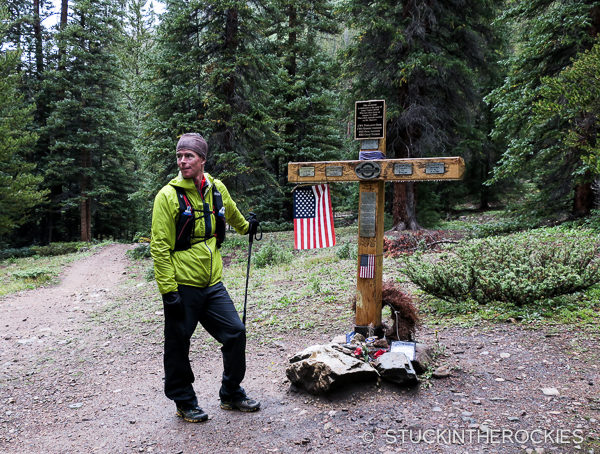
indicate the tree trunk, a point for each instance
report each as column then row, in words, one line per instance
column 292, row 39
column 84, row 203
column 64, row 10
column 291, row 67
column 583, row 201
column 231, row 43
column 37, row 32
column 484, row 190
column 404, row 210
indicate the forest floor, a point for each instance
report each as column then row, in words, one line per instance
column 81, row 372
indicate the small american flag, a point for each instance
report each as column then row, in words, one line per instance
column 367, row 266
column 313, row 218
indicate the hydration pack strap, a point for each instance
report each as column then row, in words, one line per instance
column 184, row 227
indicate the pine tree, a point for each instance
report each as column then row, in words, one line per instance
column 90, row 153
column 547, row 36
column 574, row 95
column 208, row 72
column 19, row 188
column 305, row 102
column 139, row 29
column 422, row 58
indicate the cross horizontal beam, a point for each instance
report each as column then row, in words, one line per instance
column 411, row 169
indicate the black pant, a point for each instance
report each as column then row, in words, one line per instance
column 213, row 308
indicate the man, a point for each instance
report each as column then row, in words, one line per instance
column 188, row 272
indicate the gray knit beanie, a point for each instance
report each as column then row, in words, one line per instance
column 193, row 141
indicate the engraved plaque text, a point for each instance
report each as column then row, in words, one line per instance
column 306, row 171
column 403, row 169
column 435, row 168
column 368, row 203
column 369, row 144
column 333, row 171
column 369, row 119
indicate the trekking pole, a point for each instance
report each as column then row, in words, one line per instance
column 251, row 238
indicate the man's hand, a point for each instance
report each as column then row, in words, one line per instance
column 173, row 305
column 253, row 227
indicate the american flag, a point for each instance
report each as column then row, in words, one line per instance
column 313, row 218
column 367, row 266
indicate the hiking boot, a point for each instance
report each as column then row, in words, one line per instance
column 244, row 404
column 195, row 414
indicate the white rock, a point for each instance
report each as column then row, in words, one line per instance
column 550, row 391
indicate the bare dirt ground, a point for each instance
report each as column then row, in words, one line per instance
column 81, row 372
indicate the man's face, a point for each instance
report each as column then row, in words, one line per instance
column 190, row 164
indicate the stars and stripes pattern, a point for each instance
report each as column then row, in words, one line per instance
column 313, row 217
column 367, row 266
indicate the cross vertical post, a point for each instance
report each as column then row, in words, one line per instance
column 368, row 290
column 369, row 129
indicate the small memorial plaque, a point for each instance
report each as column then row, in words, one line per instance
column 368, row 203
column 403, row 169
column 408, row 348
column 306, row 171
column 369, row 144
column 369, row 119
column 435, row 168
column 334, row 171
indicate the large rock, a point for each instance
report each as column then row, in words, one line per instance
column 396, row 367
column 321, row 368
column 423, row 358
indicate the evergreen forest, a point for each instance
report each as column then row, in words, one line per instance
column 94, row 95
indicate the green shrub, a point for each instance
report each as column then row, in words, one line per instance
column 149, row 274
column 347, row 251
column 38, row 275
column 271, row 254
column 589, row 222
column 141, row 251
column 276, row 226
column 53, row 249
column 234, row 241
column 500, row 227
column 16, row 253
column 520, row 268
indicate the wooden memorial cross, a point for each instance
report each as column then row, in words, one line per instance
column 371, row 175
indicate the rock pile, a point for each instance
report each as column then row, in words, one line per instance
column 322, row 368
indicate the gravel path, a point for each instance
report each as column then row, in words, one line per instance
column 81, row 372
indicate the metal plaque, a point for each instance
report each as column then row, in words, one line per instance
column 334, row 171
column 403, row 169
column 369, row 119
column 306, row 171
column 367, row 170
column 369, row 144
column 435, row 168
column 366, row 214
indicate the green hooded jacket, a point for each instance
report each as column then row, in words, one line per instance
column 201, row 265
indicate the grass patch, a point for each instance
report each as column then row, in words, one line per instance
column 25, row 273
column 581, row 309
column 309, row 296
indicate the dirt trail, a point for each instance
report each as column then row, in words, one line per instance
column 81, row 372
